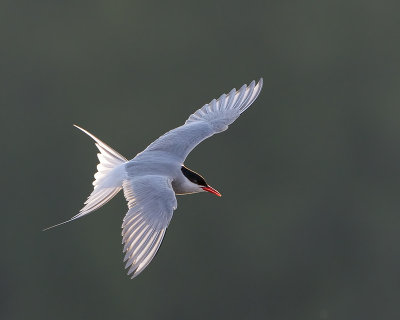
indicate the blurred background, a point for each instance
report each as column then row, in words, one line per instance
column 308, row 225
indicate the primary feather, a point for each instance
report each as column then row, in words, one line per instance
column 212, row 118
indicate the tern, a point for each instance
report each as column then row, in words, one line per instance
column 152, row 179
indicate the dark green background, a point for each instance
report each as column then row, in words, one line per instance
column 308, row 225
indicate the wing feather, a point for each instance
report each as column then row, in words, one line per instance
column 210, row 119
column 151, row 202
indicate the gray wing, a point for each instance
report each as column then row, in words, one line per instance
column 212, row 118
column 151, row 202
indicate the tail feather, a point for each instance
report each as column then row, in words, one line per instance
column 107, row 180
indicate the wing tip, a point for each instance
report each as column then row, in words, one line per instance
column 253, row 84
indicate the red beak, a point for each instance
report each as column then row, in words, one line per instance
column 212, row 190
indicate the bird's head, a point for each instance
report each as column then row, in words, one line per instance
column 197, row 182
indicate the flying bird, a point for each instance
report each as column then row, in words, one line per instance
column 152, row 179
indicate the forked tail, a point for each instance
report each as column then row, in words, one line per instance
column 107, row 180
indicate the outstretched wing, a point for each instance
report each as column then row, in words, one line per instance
column 212, row 118
column 151, row 202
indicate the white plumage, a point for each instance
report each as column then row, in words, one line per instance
column 152, row 179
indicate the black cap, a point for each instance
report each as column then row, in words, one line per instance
column 194, row 177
